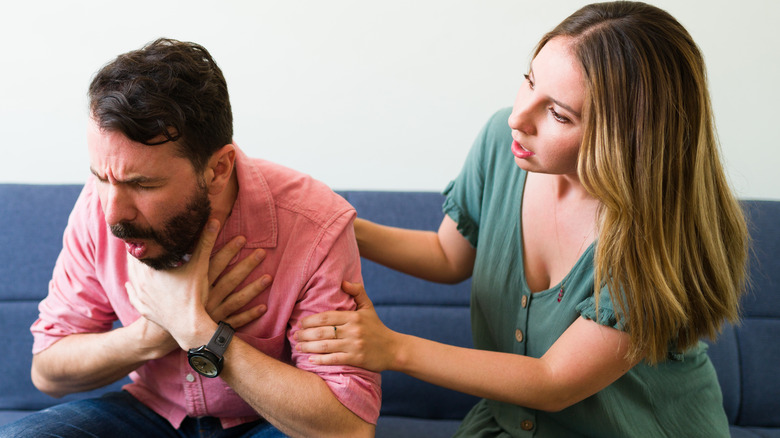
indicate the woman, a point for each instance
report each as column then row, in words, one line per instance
column 602, row 239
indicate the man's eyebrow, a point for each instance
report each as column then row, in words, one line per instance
column 94, row 172
column 134, row 180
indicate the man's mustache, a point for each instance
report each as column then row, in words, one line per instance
column 129, row 231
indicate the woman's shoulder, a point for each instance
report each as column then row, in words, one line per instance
column 492, row 146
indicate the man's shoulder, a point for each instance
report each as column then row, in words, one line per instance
column 301, row 194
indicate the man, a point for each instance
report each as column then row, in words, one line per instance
column 166, row 171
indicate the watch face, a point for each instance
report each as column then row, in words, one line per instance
column 204, row 366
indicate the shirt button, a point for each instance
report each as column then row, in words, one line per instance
column 527, row 425
column 190, row 378
column 524, row 301
column 519, row 335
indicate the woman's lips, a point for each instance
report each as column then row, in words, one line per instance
column 519, row 151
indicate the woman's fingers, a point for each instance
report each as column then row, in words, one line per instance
column 321, row 333
column 334, row 359
column 340, row 317
column 329, row 318
column 325, row 347
column 358, row 291
column 332, row 352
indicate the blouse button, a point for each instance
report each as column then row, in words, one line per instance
column 527, row 425
column 519, row 335
column 524, row 301
column 190, row 378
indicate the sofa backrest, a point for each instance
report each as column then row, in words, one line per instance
column 747, row 355
column 32, row 221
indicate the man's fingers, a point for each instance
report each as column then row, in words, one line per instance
column 226, row 307
column 206, row 243
column 222, row 258
column 243, row 318
column 238, row 274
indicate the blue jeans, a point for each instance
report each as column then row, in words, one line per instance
column 118, row 415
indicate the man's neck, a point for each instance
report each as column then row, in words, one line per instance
column 222, row 205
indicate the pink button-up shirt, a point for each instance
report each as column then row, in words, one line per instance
column 306, row 231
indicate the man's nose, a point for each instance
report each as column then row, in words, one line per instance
column 119, row 206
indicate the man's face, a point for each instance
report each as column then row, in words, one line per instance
column 151, row 197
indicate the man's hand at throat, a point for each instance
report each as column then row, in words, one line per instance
column 182, row 301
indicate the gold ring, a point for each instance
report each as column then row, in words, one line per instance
column 335, row 333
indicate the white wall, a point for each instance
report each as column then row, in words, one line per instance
column 361, row 94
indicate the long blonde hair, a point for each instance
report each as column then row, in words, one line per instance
column 672, row 243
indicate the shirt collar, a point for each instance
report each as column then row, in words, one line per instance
column 253, row 215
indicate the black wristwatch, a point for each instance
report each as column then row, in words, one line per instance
column 207, row 359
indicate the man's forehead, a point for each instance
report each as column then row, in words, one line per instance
column 113, row 154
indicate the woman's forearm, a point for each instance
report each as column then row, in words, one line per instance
column 440, row 256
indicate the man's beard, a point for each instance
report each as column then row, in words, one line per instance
column 179, row 234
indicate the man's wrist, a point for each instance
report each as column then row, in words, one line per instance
column 200, row 334
column 151, row 339
column 208, row 359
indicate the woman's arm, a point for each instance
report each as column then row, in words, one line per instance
column 444, row 256
column 584, row 360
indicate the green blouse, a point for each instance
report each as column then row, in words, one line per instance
column 680, row 397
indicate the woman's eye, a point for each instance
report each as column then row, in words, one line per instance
column 530, row 82
column 557, row 116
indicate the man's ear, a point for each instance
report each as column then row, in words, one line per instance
column 219, row 169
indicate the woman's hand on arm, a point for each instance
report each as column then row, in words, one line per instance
column 357, row 338
column 584, row 360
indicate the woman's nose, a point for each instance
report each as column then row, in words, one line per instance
column 522, row 117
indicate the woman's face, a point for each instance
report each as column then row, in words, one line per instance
column 546, row 120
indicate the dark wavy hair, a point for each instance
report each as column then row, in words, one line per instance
column 170, row 89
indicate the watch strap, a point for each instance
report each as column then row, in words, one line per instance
column 221, row 339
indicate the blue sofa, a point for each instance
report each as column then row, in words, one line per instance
column 747, row 356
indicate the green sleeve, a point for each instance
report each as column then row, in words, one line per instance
column 464, row 195
column 605, row 314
